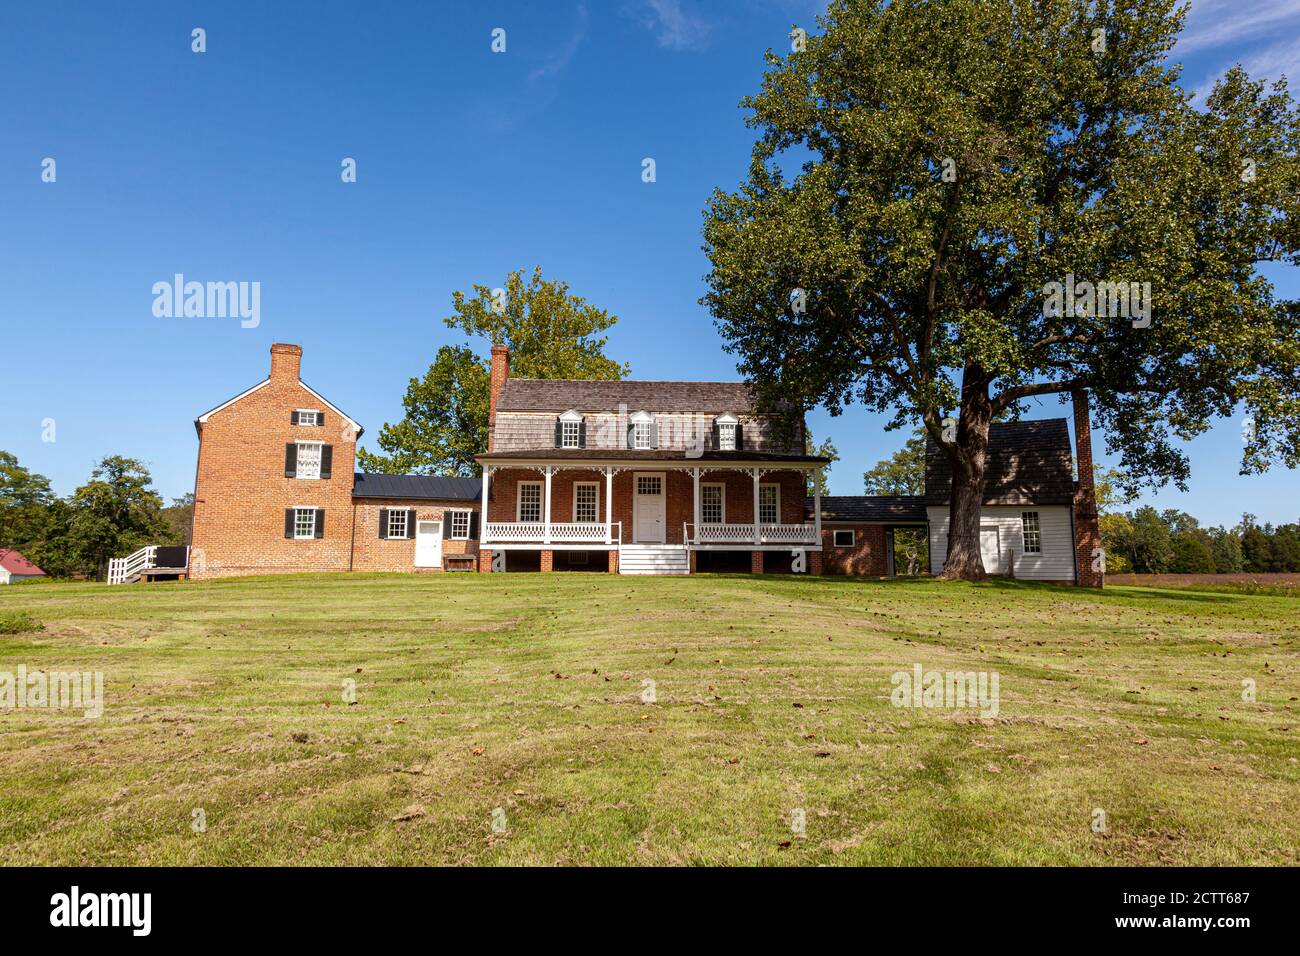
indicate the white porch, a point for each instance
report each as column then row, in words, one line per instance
column 760, row 533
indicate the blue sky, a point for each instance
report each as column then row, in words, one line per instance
column 225, row 166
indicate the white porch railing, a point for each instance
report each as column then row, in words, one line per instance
column 561, row 532
column 744, row 534
column 128, row 569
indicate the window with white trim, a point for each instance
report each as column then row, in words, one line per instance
column 727, row 433
column 844, row 538
column 769, row 504
column 569, row 434
column 308, row 459
column 304, row 521
column 586, row 501
column 309, row 416
column 459, row 525
column 530, row 501
column 712, row 503
column 1032, row 532
column 641, row 434
column 397, row 524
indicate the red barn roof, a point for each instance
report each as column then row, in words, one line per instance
column 15, row 563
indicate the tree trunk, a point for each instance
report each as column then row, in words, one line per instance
column 968, row 459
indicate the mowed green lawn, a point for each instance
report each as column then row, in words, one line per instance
column 772, row 704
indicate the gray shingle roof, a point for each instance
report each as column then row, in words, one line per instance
column 873, row 508
column 1028, row 463
column 434, row 487
column 584, row 395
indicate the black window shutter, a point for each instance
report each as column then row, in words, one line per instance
column 473, row 525
column 410, row 523
column 288, row 522
column 326, row 460
column 293, row 417
column 631, row 430
column 320, row 419
column 740, row 437
column 654, row 434
column 559, row 433
column 582, row 433
column 290, row 460
column 446, row 524
column 717, row 438
column 320, row 523
column 383, row 522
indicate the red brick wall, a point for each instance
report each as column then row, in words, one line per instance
column 372, row 553
column 499, row 372
column 866, row 557
column 241, row 492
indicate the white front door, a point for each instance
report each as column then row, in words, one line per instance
column 990, row 550
column 428, row 544
column 648, row 510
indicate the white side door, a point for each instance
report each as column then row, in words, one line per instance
column 648, row 508
column 990, row 549
column 428, row 544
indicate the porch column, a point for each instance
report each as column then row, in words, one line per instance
column 483, row 509
column 695, row 474
column 546, row 508
column 754, row 471
column 817, row 505
column 609, row 505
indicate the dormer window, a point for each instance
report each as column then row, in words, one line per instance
column 727, row 435
column 642, row 433
column 570, row 431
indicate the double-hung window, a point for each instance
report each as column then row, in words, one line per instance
column 530, row 501
column 1032, row 532
column 308, row 459
column 569, row 434
column 641, row 434
column 586, row 496
column 769, row 504
column 304, row 522
column 711, row 504
column 397, row 523
column 459, row 525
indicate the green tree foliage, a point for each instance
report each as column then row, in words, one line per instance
column 24, row 500
column 902, row 473
column 179, row 516
column 827, row 449
column 960, row 156
column 551, row 334
column 1191, row 554
column 1256, row 555
column 1225, row 549
column 114, row 513
column 1147, row 544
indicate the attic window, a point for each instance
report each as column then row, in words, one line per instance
column 727, row 432
column 308, row 416
column 643, row 430
column 570, row 430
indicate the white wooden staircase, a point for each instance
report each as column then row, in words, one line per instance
column 653, row 559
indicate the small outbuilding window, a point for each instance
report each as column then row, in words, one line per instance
column 844, row 538
column 1033, row 537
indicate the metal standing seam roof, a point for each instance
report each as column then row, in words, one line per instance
column 432, row 487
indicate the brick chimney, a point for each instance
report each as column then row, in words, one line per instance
column 1087, row 532
column 500, row 372
column 286, row 362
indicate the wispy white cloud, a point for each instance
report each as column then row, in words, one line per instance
column 674, row 26
column 555, row 63
column 1212, row 23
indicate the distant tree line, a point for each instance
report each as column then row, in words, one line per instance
column 114, row 513
column 1147, row 541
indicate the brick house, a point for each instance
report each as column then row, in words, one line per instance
column 275, row 491
column 632, row 477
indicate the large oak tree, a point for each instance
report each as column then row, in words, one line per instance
column 924, row 171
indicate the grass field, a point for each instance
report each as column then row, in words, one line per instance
column 772, row 704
